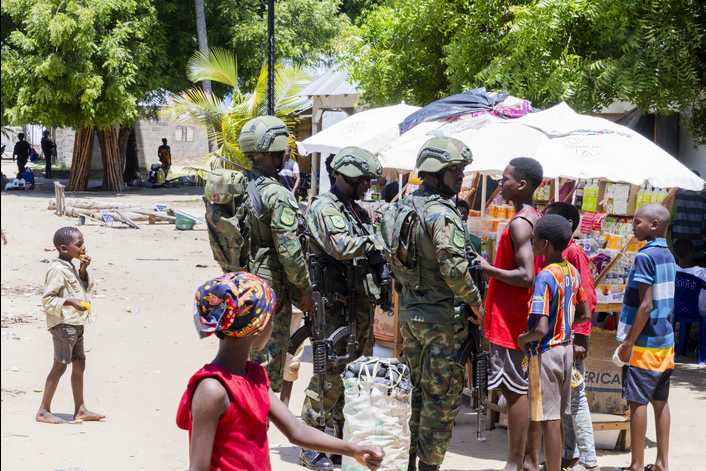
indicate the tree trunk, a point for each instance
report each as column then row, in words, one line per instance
column 203, row 48
column 81, row 159
column 110, row 154
column 123, row 137
column 132, row 162
column 203, row 37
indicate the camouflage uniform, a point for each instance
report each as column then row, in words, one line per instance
column 275, row 252
column 434, row 324
column 343, row 236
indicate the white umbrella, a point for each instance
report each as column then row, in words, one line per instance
column 401, row 154
column 371, row 130
column 571, row 145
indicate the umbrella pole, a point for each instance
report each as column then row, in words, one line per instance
column 556, row 188
column 483, row 194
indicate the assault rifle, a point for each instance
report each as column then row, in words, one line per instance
column 473, row 346
column 324, row 349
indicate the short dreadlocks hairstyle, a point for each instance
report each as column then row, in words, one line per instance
column 554, row 228
column 64, row 236
column 528, row 169
column 566, row 210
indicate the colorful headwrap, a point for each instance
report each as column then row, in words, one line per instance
column 238, row 304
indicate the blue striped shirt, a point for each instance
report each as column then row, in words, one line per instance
column 653, row 265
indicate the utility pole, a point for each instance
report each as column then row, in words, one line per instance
column 271, row 58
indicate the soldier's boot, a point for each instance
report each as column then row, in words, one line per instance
column 315, row 460
column 412, row 466
column 428, row 467
column 338, row 433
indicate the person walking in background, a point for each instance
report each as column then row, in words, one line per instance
column 21, row 152
column 48, row 148
column 164, row 152
column 289, row 175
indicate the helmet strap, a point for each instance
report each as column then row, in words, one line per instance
column 355, row 185
column 441, row 185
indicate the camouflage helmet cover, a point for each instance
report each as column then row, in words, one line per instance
column 263, row 134
column 441, row 152
column 355, row 162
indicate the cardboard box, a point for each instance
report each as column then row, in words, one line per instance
column 603, row 379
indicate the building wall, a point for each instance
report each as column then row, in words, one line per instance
column 149, row 136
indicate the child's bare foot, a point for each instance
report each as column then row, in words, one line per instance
column 47, row 417
column 86, row 415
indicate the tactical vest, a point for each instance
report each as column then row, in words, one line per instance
column 409, row 247
column 335, row 277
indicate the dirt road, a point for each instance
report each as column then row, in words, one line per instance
column 138, row 362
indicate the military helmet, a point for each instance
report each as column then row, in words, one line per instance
column 441, row 152
column 263, row 134
column 355, row 162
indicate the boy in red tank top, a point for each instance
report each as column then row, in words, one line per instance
column 227, row 403
column 507, row 305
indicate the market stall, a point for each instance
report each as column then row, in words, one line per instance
column 608, row 171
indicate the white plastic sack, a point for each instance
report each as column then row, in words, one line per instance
column 378, row 393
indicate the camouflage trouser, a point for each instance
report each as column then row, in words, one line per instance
column 333, row 397
column 430, row 351
column 274, row 355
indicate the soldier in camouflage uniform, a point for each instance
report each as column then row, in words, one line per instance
column 276, row 253
column 433, row 319
column 342, row 231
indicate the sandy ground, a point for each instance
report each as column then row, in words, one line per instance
column 139, row 362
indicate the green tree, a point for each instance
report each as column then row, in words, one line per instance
column 588, row 53
column 397, row 53
column 224, row 118
column 83, row 65
column 593, row 53
column 305, row 33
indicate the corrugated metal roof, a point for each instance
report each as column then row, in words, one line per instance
column 332, row 82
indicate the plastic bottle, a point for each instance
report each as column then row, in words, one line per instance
column 640, row 196
column 662, row 195
column 587, row 193
column 590, row 194
column 654, row 194
column 587, row 190
column 578, row 202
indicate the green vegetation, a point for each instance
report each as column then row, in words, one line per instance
column 224, row 121
column 589, row 53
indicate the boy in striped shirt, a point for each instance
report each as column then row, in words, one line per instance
column 647, row 350
column 555, row 292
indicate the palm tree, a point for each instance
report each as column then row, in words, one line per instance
column 224, row 118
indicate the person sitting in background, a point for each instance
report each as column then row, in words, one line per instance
column 686, row 263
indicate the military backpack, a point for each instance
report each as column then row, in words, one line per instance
column 398, row 228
